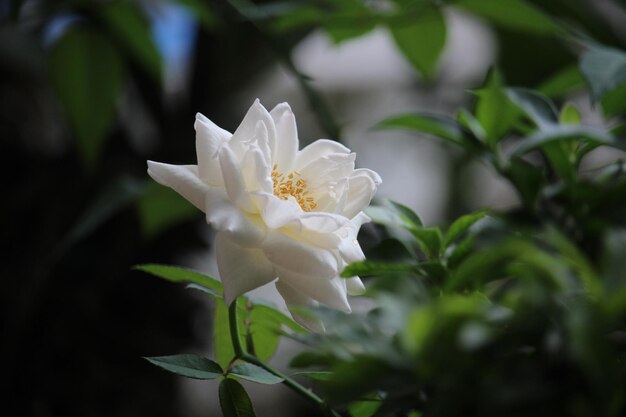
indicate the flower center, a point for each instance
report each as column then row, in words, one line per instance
column 292, row 185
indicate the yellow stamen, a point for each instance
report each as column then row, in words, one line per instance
column 292, row 185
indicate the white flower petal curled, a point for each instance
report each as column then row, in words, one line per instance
column 280, row 213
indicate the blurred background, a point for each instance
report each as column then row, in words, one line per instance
column 89, row 90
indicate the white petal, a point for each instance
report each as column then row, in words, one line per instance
column 317, row 149
column 361, row 188
column 183, row 179
column 276, row 213
column 241, row 269
column 330, row 292
column 247, row 129
column 256, row 171
column 233, row 179
column 329, row 168
column 286, row 137
column 209, row 139
column 293, row 255
column 294, row 298
column 355, row 286
column 227, row 218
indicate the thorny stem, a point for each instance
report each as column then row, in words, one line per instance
column 244, row 356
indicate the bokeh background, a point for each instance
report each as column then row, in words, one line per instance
column 89, row 90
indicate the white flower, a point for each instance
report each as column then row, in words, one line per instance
column 279, row 212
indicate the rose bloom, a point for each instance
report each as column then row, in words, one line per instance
column 279, row 212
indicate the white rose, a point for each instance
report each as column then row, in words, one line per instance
column 279, row 212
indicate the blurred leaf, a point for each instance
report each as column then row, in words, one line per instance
column 205, row 290
column 363, row 408
column 570, row 115
column 87, row 73
column 161, row 208
column 439, row 126
column 178, row 274
column 422, row 40
column 469, row 122
column 317, row 375
column 604, row 69
column 462, row 224
column 234, row 400
column 516, row 15
column 526, row 178
column 539, row 108
column 355, row 378
column 494, row 110
column 266, row 314
column 406, row 214
column 613, row 103
column 387, row 216
column 430, row 240
column 369, row 268
column 201, row 11
column 130, row 25
column 351, row 19
column 307, row 359
column 564, row 133
column 112, row 199
column 191, row 366
column 254, row 373
column 563, row 82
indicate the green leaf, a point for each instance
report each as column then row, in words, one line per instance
column 430, row 240
column 205, row 290
column 87, row 72
column 128, row 23
column 440, row 126
column 494, row 111
column 461, row 225
column 407, row 215
column 570, row 115
column 317, row 375
column 178, row 274
column 371, row 268
column 516, row 15
column 470, row 123
column 222, row 344
column 161, row 208
column 363, row 408
column 536, row 106
column 564, row 133
column 234, row 400
column 613, row 103
column 191, row 366
column 422, row 41
column 201, row 11
column 563, row 82
column 387, row 216
column 254, row 373
column 604, row 69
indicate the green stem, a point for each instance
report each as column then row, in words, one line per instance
column 241, row 354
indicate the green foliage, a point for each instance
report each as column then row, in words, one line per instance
column 234, row 399
column 422, row 40
column 253, row 373
column 88, row 94
column 190, row 366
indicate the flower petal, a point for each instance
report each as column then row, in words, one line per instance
column 297, row 256
column 355, row 286
column 233, row 179
column 330, row 292
column 209, row 139
column 286, row 137
column 276, row 213
column 183, row 179
column 227, row 218
column 294, row 298
column 241, row 269
column 247, row 129
column 362, row 186
column 256, row 171
column 318, row 149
